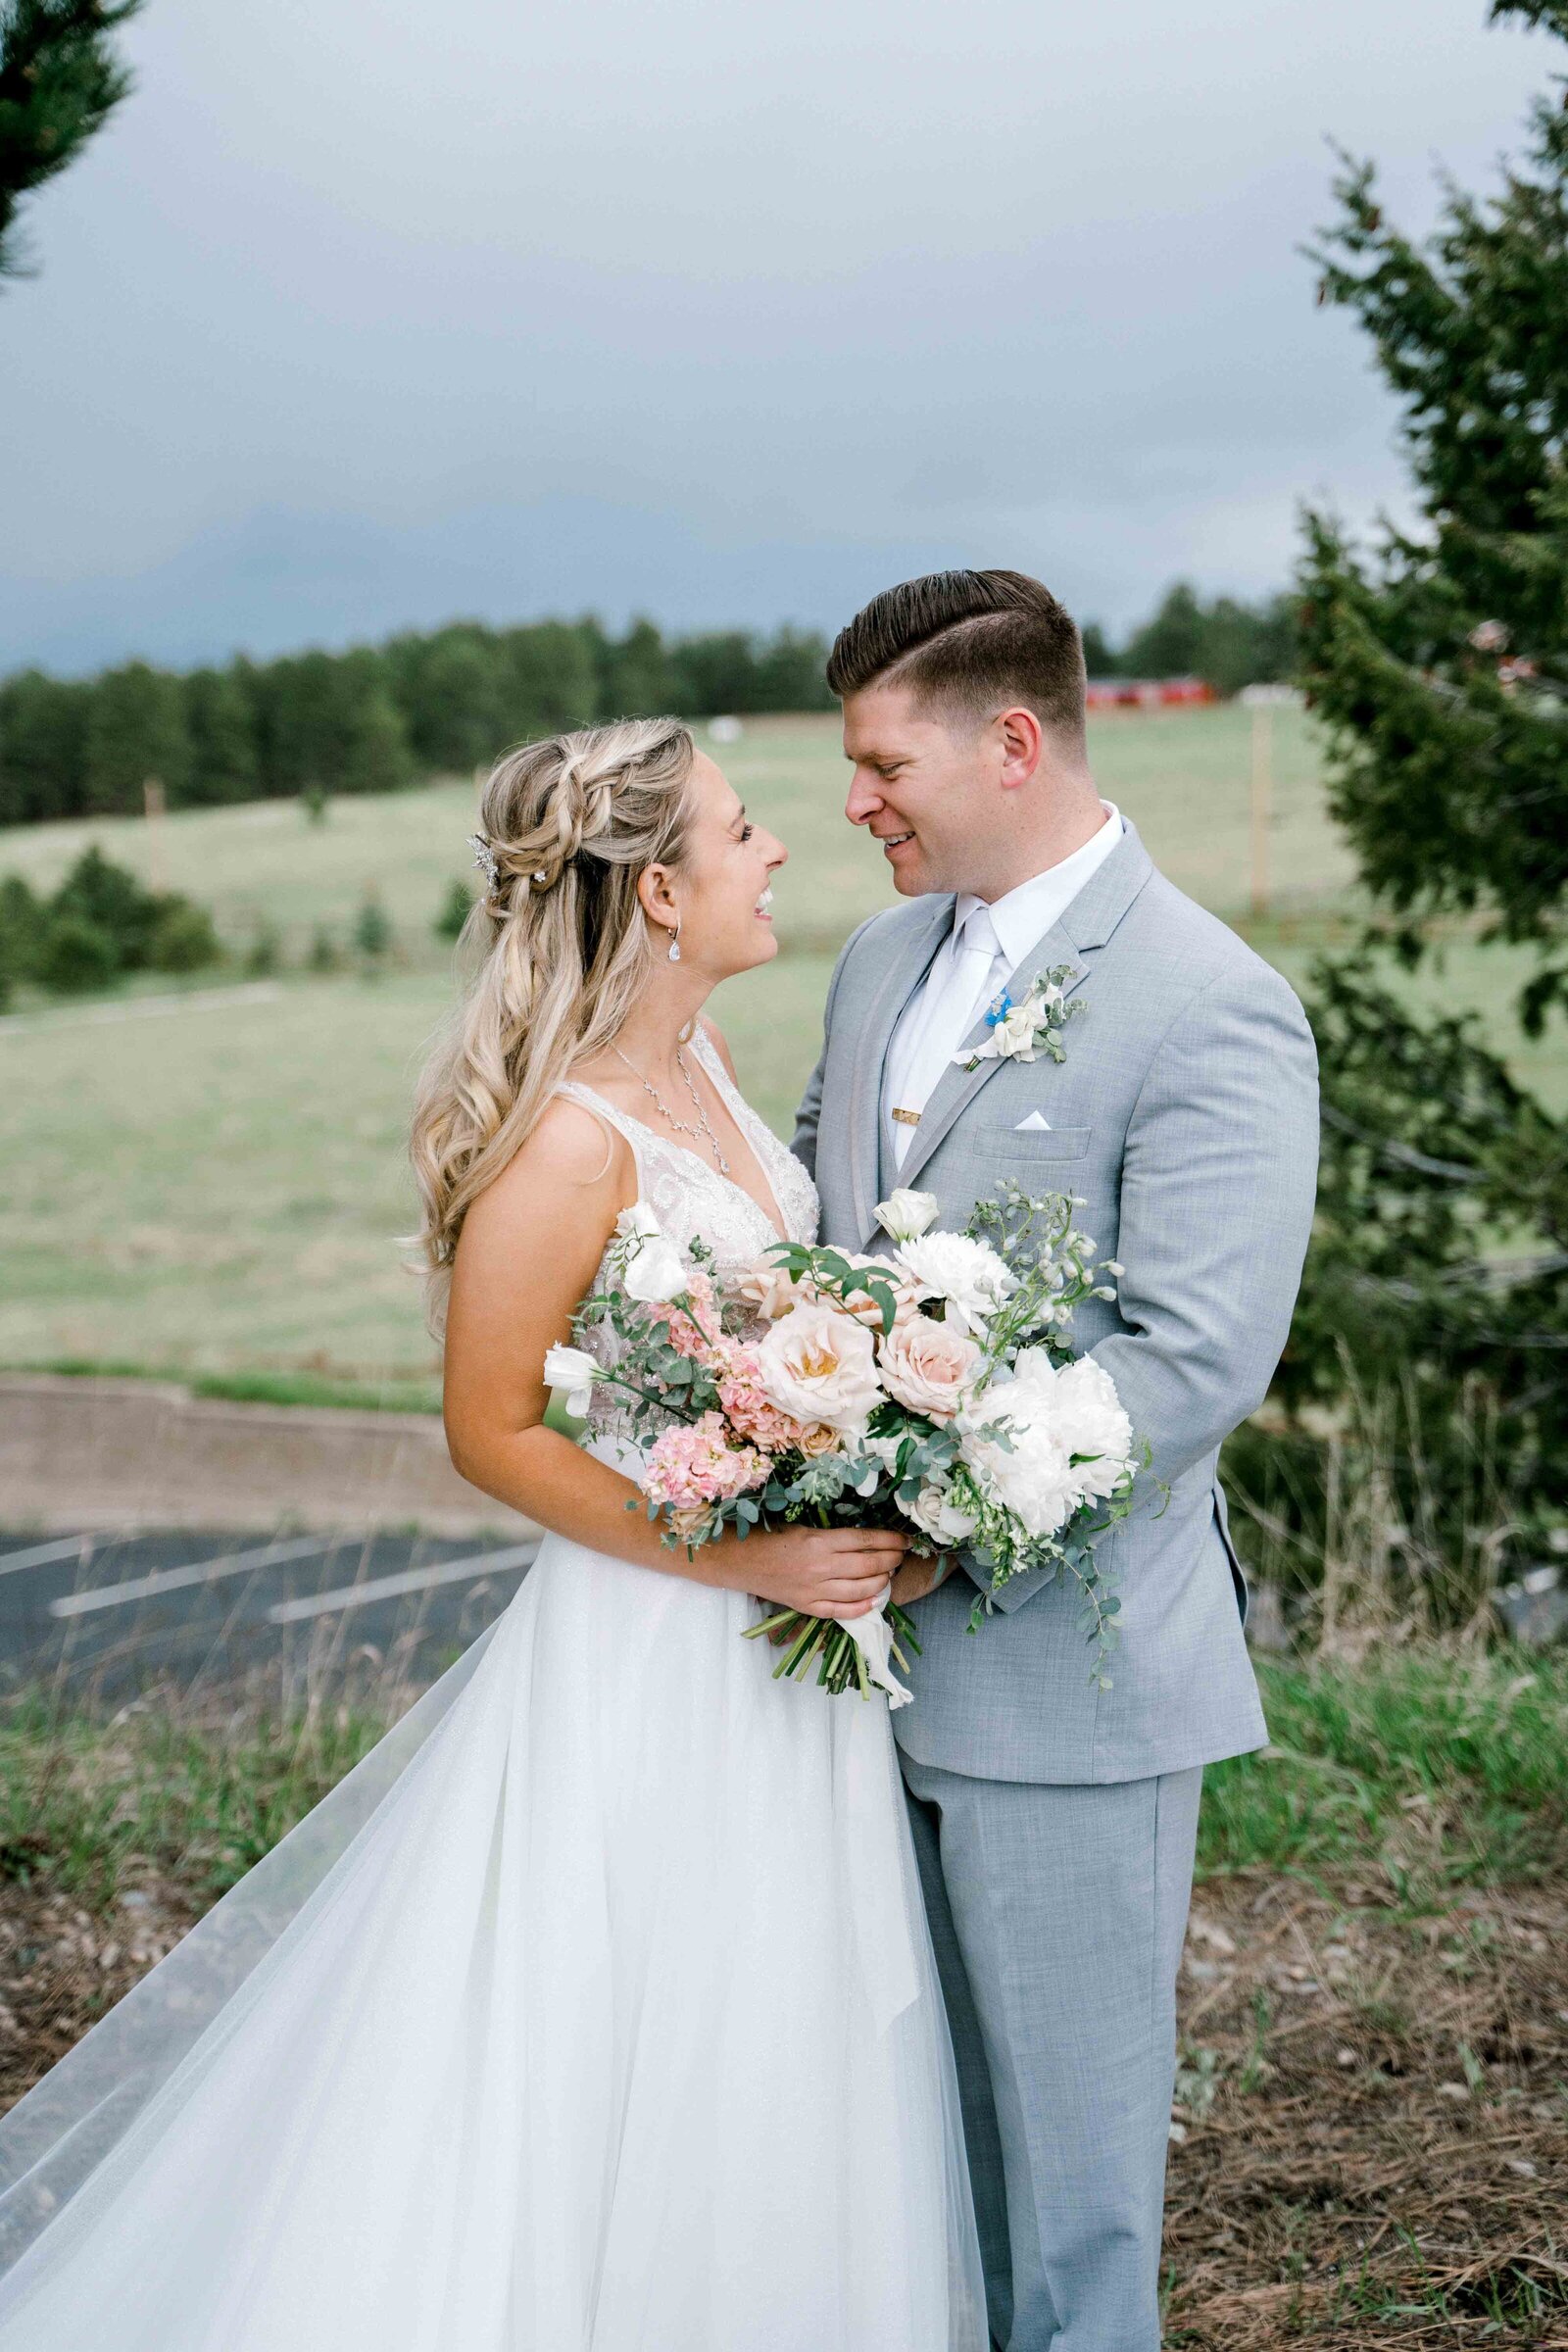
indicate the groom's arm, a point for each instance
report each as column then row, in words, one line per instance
column 804, row 1141
column 1219, row 1184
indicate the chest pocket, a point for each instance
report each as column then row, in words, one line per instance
column 1025, row 1146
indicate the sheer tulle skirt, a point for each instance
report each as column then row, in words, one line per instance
column 596, row 2010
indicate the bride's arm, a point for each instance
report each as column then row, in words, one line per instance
column 528, row 1251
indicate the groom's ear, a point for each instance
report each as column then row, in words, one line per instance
column 1019, row 740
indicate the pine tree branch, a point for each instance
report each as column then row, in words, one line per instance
column 59, row 80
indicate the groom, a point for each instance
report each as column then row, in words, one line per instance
column 1055, row 1822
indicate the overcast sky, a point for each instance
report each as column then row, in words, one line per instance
column 369, row 313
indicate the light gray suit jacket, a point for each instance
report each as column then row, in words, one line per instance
column 1184, row 1115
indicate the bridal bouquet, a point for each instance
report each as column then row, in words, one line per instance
column 934, row 1385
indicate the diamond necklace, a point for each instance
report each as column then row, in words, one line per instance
column 683, row 1126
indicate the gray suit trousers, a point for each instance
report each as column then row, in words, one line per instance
column 1057, row 1912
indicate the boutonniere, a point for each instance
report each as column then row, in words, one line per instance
column 1022, row 1032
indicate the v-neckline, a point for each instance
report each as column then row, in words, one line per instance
column 769, row 1217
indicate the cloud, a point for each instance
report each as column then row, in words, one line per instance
column 361, row 314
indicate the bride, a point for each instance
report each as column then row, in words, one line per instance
column 594, row 2012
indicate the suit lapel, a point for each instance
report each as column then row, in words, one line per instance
column 907, row 968
column 1075, row 940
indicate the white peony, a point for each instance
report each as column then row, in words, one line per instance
column 1035, row 1480
column 1093, row 1425
column 905, row 1215
column 575, row 1372
column 654, row 1268
column 1052, row 1414
column 818, row 1364
column 967, row 1274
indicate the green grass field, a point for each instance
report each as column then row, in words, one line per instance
column 215, row 1191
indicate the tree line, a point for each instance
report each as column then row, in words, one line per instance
column 370, row 718
column 445, row 701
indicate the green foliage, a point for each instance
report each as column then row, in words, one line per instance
column 59, row 80
column 455, row 910
column 43, row 737
column 1434, row 665
column 373, row 932
column 101, row 921
column 183, row 939
column 22, row 926
column 224, row 764
column 266, row 950
column 1229, row 643
column 135, row 730
column 367, row 719
column 75, row 957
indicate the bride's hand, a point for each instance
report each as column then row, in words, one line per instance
column 825, row 1572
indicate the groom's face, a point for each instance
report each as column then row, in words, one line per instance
column 923, row 786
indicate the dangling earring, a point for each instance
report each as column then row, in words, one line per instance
column 674, row 945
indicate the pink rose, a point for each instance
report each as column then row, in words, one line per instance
column 929, row 1366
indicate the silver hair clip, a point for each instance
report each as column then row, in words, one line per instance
column 484, row 855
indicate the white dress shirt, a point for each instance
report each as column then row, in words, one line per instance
column 986, row 944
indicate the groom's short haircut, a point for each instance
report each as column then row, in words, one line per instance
column 969, row 642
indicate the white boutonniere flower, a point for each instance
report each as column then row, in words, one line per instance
column 1022, row 1032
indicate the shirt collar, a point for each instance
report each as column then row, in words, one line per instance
column 1024, row 915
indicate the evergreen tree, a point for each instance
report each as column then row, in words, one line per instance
column 43, row 738
column 331, row 720
column 1099, row 659
column 637, row 681
column 790, row 673
column 551, row 678
column 1170, row 644
column 221, row 729
column 135, row 729
column 1436, row 664
column 59, row 80
column 451, row 689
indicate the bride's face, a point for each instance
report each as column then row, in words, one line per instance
column 722, row 888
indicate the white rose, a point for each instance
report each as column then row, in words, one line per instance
column 571, row 1370
column 941, row 1520
column 655, row 1271
column 967, row 1274
column 766, row 1287
column 1013, row 1037
column 928, row 1366
column 905, row 1215
column 818, row 1364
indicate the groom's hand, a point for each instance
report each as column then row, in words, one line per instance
column 916, row 1578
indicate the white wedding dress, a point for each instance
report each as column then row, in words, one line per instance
column 594, row 2012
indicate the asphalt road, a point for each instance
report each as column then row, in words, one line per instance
column 109, row 1616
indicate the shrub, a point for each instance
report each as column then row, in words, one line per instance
column 183, row 939
column 76, row 956
column 455, row 911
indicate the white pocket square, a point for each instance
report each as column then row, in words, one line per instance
column 1034, row 1124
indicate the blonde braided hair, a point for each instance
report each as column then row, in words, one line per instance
column 569, row 826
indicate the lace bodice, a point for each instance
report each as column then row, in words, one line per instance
column 692, row 1198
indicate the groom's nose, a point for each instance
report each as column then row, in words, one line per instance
column 864, row 798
